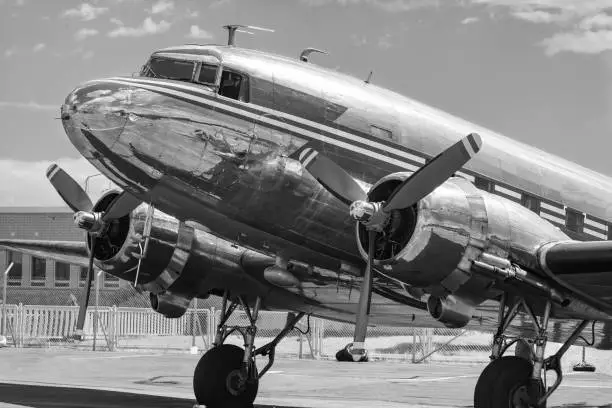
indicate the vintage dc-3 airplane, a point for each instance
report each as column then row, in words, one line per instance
column 278, row 184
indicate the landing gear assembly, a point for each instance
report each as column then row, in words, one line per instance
column 226, row 376
column 519, row 381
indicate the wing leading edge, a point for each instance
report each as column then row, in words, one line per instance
column 63, row 251
column 584, row 267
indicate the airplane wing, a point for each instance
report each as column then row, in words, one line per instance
column 583, row 268
column 73, row 252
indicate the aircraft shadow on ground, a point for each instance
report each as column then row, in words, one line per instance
column 41, row 396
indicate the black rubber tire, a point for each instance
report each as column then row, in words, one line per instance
column 209, row 379
column 500, row 379
column 344, row 355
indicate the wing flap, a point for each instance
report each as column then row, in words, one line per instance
column 64, row 251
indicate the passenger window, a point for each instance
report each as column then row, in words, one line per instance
column 208, row 74
column 234, row 86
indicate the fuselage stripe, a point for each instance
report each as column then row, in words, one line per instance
column 351, row 134
column 360, row 143
column 366, row 150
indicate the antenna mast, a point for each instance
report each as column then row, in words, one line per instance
column 233, row 28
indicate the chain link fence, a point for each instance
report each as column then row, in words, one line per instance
column 122, row 319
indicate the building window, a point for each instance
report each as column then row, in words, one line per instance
column 111, row 281
column 574, row 220
column 83, row 276
column 62, row 275
column 14, row 276
column 39, row 271
column 531, row 203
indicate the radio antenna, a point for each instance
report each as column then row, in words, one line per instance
column 306, row 53
column 233, row 28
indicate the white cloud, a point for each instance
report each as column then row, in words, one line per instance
column 198, row 33
column 585, row 42
column 39, row 47
column 192, row 13
column 116, row 21
column 9, row 52
column 392, row 6
column 20, row 3
column 584, row 24
column 384, row 42
column 219, row 3
column 148, row 27
column 83, row 33
column 359, row 40
column 162, row 6
column 34, row 189
column 598, row 21
column 35, row 106
column 470, row 20
column 85, row 12
column 541, row 16
column 89, row 54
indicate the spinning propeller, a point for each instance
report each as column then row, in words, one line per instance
column 375, row 215
column 95, row 223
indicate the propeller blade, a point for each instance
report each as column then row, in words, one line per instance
column 122, row 205
column 333, row 177
column 365, row 299
column 68, row 189
column 435, row 172
column 86, row 291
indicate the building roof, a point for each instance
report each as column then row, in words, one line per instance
column 35, row 210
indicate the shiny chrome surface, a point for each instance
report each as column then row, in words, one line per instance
column 232, row 167
column 451, row 311
column 462, row 223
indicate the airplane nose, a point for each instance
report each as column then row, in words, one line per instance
column 95, row 114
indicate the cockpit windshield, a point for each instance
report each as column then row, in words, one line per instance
column 169, row 69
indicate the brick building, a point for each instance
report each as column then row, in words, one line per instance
column 34, row 280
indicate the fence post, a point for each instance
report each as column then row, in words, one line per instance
column 20, row 324
column 212, row 325
column 413, row 345
column 4, row 283
column 115, row 327
column 96, row 313
column 194, row 311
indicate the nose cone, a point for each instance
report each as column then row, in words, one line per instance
column 94, row 115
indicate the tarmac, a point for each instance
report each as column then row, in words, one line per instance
column 46, row 378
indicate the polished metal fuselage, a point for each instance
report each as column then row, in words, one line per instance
column 231, row 165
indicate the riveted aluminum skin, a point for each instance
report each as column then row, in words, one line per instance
column 454, row 226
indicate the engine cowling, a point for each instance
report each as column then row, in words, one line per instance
column 177, row 264
column 432, row 244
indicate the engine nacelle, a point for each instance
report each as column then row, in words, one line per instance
column 432, row 244
column 178, row 262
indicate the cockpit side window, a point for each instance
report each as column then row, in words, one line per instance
column 234, row 85
column 207, row 74
column 169, row 69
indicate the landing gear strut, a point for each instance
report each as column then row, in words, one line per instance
column 226, row 376
column 520, row 381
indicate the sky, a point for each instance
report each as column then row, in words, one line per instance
column 538, row 71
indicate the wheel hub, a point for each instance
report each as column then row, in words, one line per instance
column 236, row 382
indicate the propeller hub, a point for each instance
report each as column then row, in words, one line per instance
column 369, row 214
column 89, row 221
